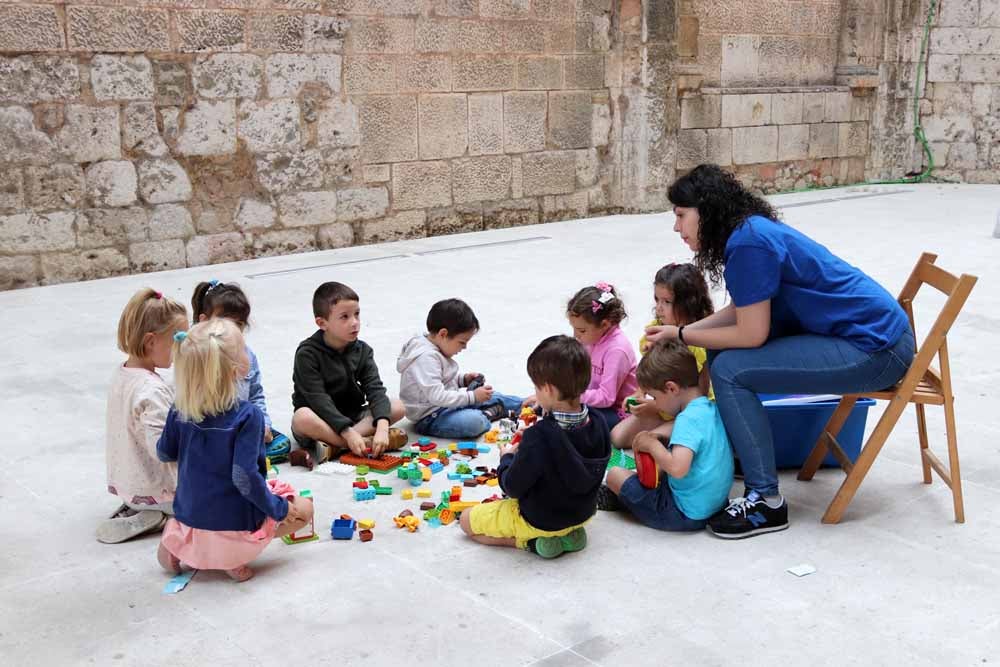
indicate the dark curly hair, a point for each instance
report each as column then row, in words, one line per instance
column 687, row 283
column 582, row 305
column 723, row 205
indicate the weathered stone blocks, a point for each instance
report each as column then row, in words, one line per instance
column 90, row 134
column 388, row 129
column 302, row 209
column 33, row 232
column 485, row 73
column 701, row 111
column 268, row 126
column 524, row 121
column 209, row 129
column 284, row 171
column 118, row 77
column 403, row 225
column 444, row 126
column 157, row 256
column 216, row 248
column 30, row 28
column 362, row 203
column 111, row 183
column 569, row 120
column 163, row 181
column 21, row 141
column 421, row 185
column 117, row 29
column 54, row 186
column 287, row 73
column 549, row 173
column 481, row 178
column 28, row 79
column 485, row 123
column 226, row 75
column 752, row 145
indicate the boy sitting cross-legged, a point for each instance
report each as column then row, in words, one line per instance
column 338, row 396
column 552, row 476
column 696, row 459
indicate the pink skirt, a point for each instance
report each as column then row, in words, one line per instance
column 222, row 549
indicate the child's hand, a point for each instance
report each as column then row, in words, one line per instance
column 655, row 334
column 530, row 402
column 268, row 436
column 645, row 441
column 483, row 394
column 645, row 408
column 354, row 441
column 469, row 377
column 509, row 448
column 381, row 439
column 299, row 509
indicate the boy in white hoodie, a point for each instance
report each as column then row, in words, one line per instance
column 439, row 400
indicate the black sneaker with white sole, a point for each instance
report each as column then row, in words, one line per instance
column 749, row 516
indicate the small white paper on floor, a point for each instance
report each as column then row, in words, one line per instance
column 801, row 570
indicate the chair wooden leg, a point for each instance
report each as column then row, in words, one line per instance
column 865, row 460
column 922, row 434
column 833, row 426
column 953, row 467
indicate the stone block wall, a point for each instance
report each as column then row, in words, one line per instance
column 960, row 105
column 155, row 134
column 777, row 139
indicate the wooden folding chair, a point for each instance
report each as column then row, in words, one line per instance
column 923, row 385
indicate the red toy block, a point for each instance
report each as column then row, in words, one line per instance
column 361, row 485
column 645, row 467
column 384, row 463
column 346, row 517
column 471, row 453
column 426, row 462
column 366, row 535
column 517, row 438
column 429, row 447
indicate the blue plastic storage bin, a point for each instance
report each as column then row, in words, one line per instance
column 797, row 427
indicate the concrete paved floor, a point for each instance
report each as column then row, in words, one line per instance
column 898, row 582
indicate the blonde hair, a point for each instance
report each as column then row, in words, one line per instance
column 148, row 311
column 206, row 362
column 667, row 361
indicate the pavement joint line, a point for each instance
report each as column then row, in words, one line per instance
column 830, row 200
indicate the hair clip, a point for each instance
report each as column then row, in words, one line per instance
column 603, row 286
column 212, row 284
column 605, row 297
column 596, row 306
column 179, row 336
column 158, row 295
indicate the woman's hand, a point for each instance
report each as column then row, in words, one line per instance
column 660, row 332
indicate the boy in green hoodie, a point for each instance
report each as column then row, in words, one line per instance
column 338, row 396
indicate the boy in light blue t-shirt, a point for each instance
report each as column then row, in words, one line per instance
column 697, row 460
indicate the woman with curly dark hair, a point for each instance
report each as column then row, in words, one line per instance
column 801, row 320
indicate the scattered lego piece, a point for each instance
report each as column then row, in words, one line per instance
column 454, row 475
column 463, row 468
column 436, row 466
column 492, row 499
column 374, row 483
column 361, row 485
column 471, row 452
column 471, row 483
column 423, row 441
column 434, row 522
column 453, row 447
column 427, row 506
column 446, row 516
column 416, row 481
column 801, row 570
column 407, row 494
column 456, row 489
column 342, row 529
column 361, row 470
column 333, row 468
column 425, row 474
column 383, row 491
column 384, row 463
column 483, row 449
column 493, row 482
column 482, row 479
column 366, row 535
column 366, row 524
column 408, row 521
column 364, row 494
column 491, row 436
column 430, row 514
column 423, row 493
column 458, row 506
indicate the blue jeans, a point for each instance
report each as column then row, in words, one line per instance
column 803, row 364
column 463, row 423
column 656, row 508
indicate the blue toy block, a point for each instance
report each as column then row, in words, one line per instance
column 434, row 522
column 465, row 477
column 437, row 466
column 483, row 448
column 364, row 494
column 416, row 481
column 342, row 529
column 454, row 475
column 424, row 441
column 467, row 445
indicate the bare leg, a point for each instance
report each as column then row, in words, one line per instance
column 617, row 477
column 168, row 561
column 307, row 423
column 366, row 426
column 241, row 573
column 465, row 522
column 626, row 430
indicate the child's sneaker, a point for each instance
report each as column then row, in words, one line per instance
column 279, row 447
column 607, row 500
column 124, row 528
column 749, row 516
column 494, row 411
column 553, row 547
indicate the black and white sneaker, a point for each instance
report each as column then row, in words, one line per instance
column 607, row 500
column 749, row 516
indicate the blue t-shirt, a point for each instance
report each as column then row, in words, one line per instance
column 705, row 489
column 811, row 289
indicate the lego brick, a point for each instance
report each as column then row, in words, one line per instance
column 483, row 449
column 427, row 506
column 384, row 463
column 471, row 483
column 383, row 491
column 425, row 462
column 426, row 474
column 361, row 485
column 346, row 517
column 446, row 516
column 436, row 467
column 364, row 494
column 458, row 506
column 366, row 524
column 374, row 483
column 423, row 441
column 493, row 482
column 424, row 493
column 430, row 514
column 416, row 481
column 361, row 470
column 342, row 529
column 366, row 535
column 407, row 494
column 434, row 522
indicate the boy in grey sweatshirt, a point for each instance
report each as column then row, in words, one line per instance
column 439, row 400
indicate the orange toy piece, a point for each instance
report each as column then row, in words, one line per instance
column 346, row 517
column 446, row 516
column 384, row 462
column 491, row 436
column 528, row 416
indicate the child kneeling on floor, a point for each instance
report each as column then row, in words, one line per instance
column 553, row 475
column 696, row 458
column 226, row 511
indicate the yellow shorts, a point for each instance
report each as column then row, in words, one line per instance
column 502, row 518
